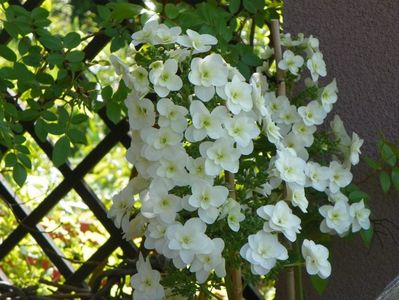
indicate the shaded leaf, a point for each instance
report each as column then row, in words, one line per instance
column 388, row 155
column 319, row 284
column 395, row 178
column 367, row 236
column 385, row 181
column 7, row 53
column 19, row 174
column 62, row 149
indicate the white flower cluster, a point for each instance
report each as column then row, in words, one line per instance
column 192, row 117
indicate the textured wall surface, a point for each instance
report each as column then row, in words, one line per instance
column 360, row 43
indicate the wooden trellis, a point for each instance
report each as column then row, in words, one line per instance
column 73, row 179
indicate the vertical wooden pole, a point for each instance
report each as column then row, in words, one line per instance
column 234, row 282
column 281, row 91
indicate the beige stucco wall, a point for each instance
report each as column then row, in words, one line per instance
column 360, row 42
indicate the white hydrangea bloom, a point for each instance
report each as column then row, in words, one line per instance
column 280, row 218
column 156, row 235
column 291, row 62
column 232, row 210
column 335, row 197
column 312, row 114
column 146, row 281
column 189, row 239
column 242, row 128
column 165, row 35
column 119, row 66
column 238, row 94
column 360, row 216
column 337, row 218
column 276, row 105
column 220, row 155
column 316, row 259
column 329, row 95
column 304, row 132
column 262, row 251
column 296, row 194
column 147, row 34
column 163, row 77
column 354, row 149
column 204, row 264
column 122, row 205
column 208, row 199
column 206, row 74
column 318, row 176
column 158, row 141
column 172, row 115
column 141, row 112
column 199, row 42
column 290, row 167
column 340, row 176
column 316, row 66
column 294, row 142
column 272, row 130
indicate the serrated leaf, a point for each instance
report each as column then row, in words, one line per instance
column 7, row 53
column 385, row 181
column 71, row 40
column 75, row 56
column 388, row 155
column 234, row 6
column 319, row 284
column 61, row 151
column 19, row 174
column 395, row 178
column 367, row 236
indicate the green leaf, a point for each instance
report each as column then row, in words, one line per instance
column 24, row 45
column 395, row 178
column 106, row 93
column 356, row 196
column 319, row 284
column 76, row 136
column 10, row 159
column 113, row 112
column 40, row 129
column 251, row 59
column 388, row 155
column 45, row 78
column 367, row 236
column 39, row 13
column 250, row 6
column 51, row 42
column 49, row 115
column 117, row 43
column 79, row 118
column 55, row 59
column 71, row 40
column 75, row 56
column 385, row 181
column 104, row 12
column 7, row 53
column 11, row 29
column 25, row 160
column 19, row 174
column 372, row 163
column 122, row 11
column 171, row 11
column 62, row 149
column 63, row 114
column 234, row 6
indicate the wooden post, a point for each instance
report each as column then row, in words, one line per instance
column 281, row 91
column 234, row 280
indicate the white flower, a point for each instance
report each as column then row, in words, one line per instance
column 156, row 235
column 354, row 149
column 289, row 115
column 135, row 227
column 272, row 130
column 165, row 35
column 295, row 143
column 291, row 62
column 340, row 177
column 276, row 105
column 232, row 210
column 178, row 54
column 312, row 43
column 141, row 112
column 164, row 78
column 172, row 166
column 206, row 73
column 199, row 42
column 296, row 194
column 122, row 205
column 316, row 259
column 196, row 168
column 291, row 167
column 317, row 66
column 312, row 114
column 329, row 95
column 304, row 132
column 119, row 66
column 147, row 34
column 238, row 94
column 158, row 141
column 137, row 79
column 339, row 131
column 262, row 251
column 160, row 203
column 205, row 123
column 204, row 264
column 172, row 115
column 259, row 83
column 318, row 176
column 335, row 197
column 189, row 239
column 360, row 216
column 208, row 199
column 220, row 155
column 337, row 218
column 146, row 281
column 280, row 218
column 242, row 129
